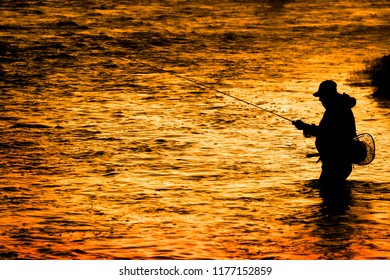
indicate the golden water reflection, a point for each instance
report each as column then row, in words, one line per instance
column 105, row 157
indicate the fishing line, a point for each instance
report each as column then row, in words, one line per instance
column 364, row 144
column 208, row 87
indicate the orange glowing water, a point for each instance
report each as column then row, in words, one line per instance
column 104, row 157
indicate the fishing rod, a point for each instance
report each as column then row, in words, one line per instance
column 208, row 87
column 365, row 141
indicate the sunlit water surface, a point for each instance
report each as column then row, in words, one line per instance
column 105, row 156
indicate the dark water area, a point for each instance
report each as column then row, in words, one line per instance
column 105, row 153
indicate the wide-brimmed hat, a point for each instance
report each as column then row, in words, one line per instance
column 326, row 87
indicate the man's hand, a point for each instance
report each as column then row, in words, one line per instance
column 299, row 124
column 308, row 129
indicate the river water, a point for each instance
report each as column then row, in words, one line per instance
column 105, row 153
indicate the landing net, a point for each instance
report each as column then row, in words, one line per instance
column 363, row 149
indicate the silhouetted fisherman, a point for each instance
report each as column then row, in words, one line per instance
column 334, row 135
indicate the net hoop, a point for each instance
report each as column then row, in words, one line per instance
column 363, row 149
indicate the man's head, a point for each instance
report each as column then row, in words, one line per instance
column 327, row 93
column 327, row 87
